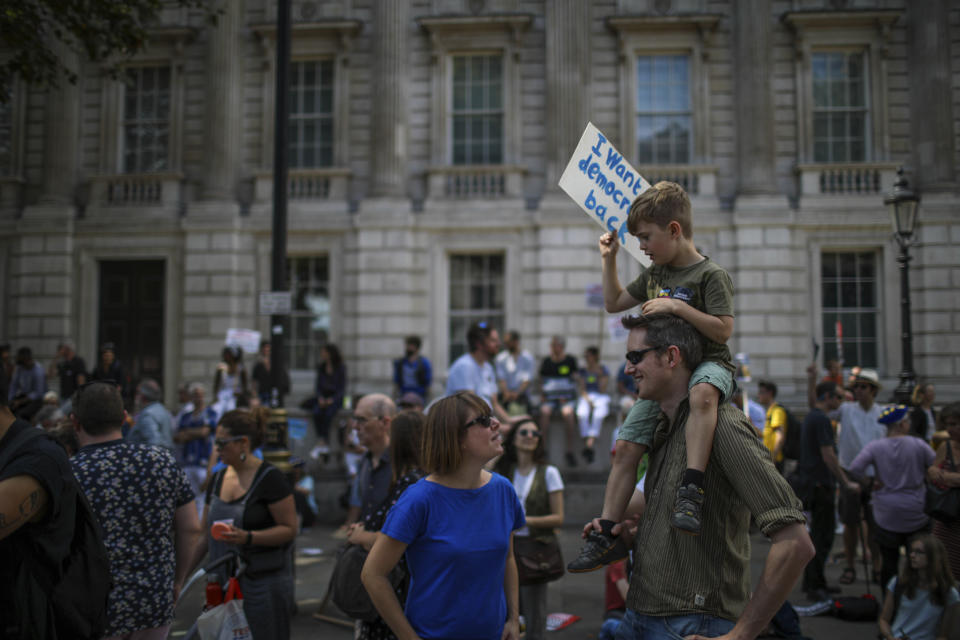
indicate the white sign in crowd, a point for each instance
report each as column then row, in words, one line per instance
column 603, row 183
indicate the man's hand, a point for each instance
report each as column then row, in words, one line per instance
column 660, row 305
column 608, row 246
column 812, row 371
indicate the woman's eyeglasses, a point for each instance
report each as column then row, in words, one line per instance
column 220, row 443
column 636, row 357
column 528, row 433
column 484, row 421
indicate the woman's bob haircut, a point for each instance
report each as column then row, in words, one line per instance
column 440, row 450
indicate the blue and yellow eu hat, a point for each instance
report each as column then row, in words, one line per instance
column 893, row 415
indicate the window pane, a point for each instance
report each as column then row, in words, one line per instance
column 840, row 110
column 664, row 109
column 477, row 110
column 311, row 112
column 477, row 285
column 146, row 119
column 309, row 323
column 849, row 295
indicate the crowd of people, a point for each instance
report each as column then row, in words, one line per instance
column 454, row 502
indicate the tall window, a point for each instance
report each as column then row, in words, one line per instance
column 477, row 109
column 848, row 282
column 664, row 111
column 476, row 294
column 840, row 111
column 146, row 120
column 311, row 114
column 6, row 138
column 309, row 279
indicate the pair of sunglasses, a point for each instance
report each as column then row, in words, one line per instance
column 528, row 433
column 484, row 421
column 636, row 357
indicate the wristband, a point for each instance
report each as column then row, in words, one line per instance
column 249, row 538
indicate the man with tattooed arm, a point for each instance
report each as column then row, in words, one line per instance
column 37, row 510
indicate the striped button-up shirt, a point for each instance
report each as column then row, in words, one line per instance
column 678, row 574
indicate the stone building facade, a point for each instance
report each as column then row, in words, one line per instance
column 428, row 137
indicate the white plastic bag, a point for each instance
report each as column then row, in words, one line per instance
column 226, row 621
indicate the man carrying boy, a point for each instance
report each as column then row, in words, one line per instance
column 691, row 286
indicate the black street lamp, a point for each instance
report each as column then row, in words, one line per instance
column 903, row 204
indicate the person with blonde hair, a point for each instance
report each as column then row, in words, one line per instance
column 455, row 529
column 922, row 603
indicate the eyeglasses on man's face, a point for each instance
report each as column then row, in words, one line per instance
column 636, row 357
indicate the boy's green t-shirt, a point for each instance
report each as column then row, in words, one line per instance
column 705, row 286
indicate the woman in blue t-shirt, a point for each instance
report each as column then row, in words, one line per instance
column 456, row 528
column 924, row 595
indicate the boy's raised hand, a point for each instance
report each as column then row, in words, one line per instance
column 608, row 246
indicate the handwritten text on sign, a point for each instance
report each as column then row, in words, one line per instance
column 604, row 184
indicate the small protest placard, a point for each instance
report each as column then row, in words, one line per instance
column 246, row 339
column 615, row 326
column 594, row 296
column 604, row 184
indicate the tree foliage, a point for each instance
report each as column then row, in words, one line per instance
column 103, row 31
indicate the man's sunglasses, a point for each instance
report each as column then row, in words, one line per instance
column 636, row 357
column 528, row 433
column 484, row 421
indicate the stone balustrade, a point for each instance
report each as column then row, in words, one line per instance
column 463, row 182
column 844, row 179
column 307, row 184
column 143, row 189
column 696, row 179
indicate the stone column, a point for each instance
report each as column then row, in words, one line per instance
column 391, row 64
column 224, row 109
column 61, row 138
column 753, row 69
column 568, row 81
column 931, row 115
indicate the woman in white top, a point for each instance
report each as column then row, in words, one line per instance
column 540, row 490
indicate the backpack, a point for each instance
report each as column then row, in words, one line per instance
column 78, row 595
column 792, row 444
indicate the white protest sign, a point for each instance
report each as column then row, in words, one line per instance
column 616, row 329
column 604, row 184
column 594, row 296
column 246, row 339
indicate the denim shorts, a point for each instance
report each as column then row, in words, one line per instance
column 636, row 626
column 642, row 419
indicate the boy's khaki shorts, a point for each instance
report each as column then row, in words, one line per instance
column 642, row 419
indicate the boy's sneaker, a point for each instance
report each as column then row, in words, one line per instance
column 597, row 550
column 686, row 510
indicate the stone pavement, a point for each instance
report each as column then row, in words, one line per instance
column 577, row 594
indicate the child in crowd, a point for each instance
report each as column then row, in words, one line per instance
column 922, row 603
column 688, row 284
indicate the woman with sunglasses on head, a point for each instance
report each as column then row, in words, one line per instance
column 540, row 489
column 922, row 602
column 455, row 528
column 255, row 502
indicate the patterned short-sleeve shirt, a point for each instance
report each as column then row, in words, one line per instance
column 135, row 491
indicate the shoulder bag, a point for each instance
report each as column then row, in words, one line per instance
column 944, row 504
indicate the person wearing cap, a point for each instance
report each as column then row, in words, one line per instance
column 901, row 463
column 859, row 426
column 410, row 400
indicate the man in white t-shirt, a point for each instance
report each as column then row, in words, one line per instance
column 859, row 426
column 473, row 372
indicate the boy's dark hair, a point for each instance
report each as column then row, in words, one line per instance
column 414, row 340
column 769, row 385
column 665, row 329
column 477, row 333
column 825, row 388
column 99, row 407
column 661, row 204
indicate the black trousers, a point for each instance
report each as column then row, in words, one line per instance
column 822, row 526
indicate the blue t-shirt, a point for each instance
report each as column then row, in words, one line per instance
column 457, row 543
column 197, row 452
column 919, row 618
